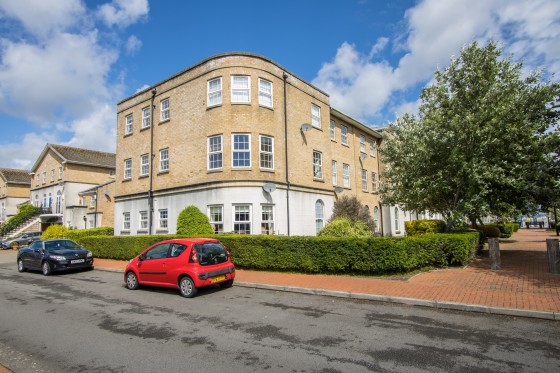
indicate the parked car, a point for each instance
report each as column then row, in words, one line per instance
column 4, row 245
column 24, row 239
column 54, row 255
column 185, row 264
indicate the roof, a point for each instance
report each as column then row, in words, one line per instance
column 350, row 120
column 217, row 56
column 14, row 176
column 80, row 156
column 94, row 189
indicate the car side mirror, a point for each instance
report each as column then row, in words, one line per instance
column 142, row 257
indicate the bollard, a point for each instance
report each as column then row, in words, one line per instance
column 494, row 248
column 553, row 255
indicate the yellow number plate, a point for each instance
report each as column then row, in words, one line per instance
column 213, row 280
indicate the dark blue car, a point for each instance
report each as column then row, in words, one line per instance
column 54, row 255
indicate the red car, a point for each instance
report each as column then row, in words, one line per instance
column 186, row 264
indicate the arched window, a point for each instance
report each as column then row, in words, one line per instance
column 58, row 202
column 376, row 219
column 50, row 200
column 397, row 228
column 319, row 215
column 45, row 200
column 37, row 203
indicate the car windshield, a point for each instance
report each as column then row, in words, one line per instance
column 211, row 253
column 61, row 245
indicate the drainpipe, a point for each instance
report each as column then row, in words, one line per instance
column 150, row 191
column 285, row 76
column 379, row 181
column 95, row 212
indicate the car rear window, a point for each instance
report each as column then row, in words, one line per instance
column 211, row 253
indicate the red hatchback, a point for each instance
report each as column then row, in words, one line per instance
column 186, row 264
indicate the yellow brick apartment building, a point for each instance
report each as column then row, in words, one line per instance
column 252, row 145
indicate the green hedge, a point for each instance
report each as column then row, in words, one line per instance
column 506, row 229
column 316, row 254
column 418, row 227
column 516, row 227
column 75, row 234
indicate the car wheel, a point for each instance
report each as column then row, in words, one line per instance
column 20, row 266
column 47, row 269
column 187, row 288
column 226, row 284
column 131, row 281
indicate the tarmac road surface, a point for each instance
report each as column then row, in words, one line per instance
column 87, row 321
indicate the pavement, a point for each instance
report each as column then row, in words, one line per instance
column 523, row 287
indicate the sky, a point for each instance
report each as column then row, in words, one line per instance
column 64, row 64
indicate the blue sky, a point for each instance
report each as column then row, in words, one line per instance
column 64, row 64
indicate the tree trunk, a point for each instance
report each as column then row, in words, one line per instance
column 553, row 255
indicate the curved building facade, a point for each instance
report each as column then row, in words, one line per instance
column 256, row 148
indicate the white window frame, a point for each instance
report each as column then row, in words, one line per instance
column 397, row 223
column 346, row 175
column 217, row 224
column 143, row 220
column 344, row 135
column 236, row 90
column 265, row 95
column 128, row 124
column 163, row 219
column 44, row 177
column 315, row 115
column 127, row 169
column 333, row 130
column 38, row 179
column 376, row 219
column 146, row 117
column 234, row 151
column 144, row 165
column 362, row 144
column 60, row 173
column 267, row 225
column 52, row 175
column 372, row 147
column 126, row 221
column 364, row 180
column 319, row 215
column 239, row 222
column 211, row 150
column 164, row 160
column 266, row 155
column 317, row 165
column 92, row 201
column 334, row 173
column 214, row 94
column 165, row 113
column 374, row 182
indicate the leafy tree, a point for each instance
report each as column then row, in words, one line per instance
column 479, row 143
column 192, row 222
column 353, row 209
column 344, row 227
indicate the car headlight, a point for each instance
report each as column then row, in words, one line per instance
column 57, row 257
column 89, row 254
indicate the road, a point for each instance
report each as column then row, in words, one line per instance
column 88, row 322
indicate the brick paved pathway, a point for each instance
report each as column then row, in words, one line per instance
column 523, row 283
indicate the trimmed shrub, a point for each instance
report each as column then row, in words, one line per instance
column 418, row 227
column 344, row 227
column 365, row 256
column 192, row 222
column 516, row 227
column 54, row 231
column 488, row 231
column 74, row 234
column 506, row 229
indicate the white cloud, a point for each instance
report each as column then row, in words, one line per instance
column 123, row 12
column 363, row 86
column 98, row 128
column 23, row 155
column 44, row 16
column 133, row 44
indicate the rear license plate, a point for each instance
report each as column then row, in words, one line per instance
column 77, row 261
column 213, row 280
